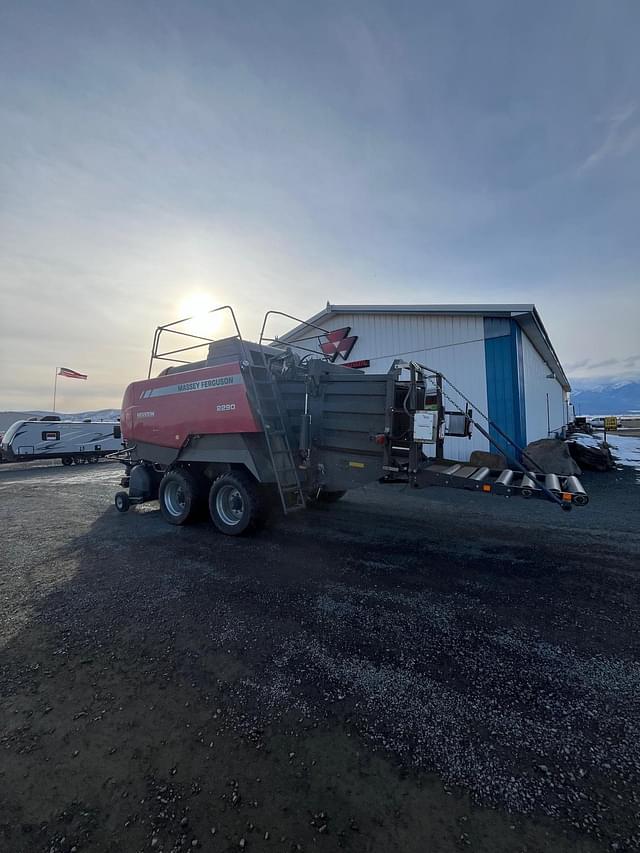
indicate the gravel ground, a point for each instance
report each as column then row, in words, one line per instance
column 403, row 671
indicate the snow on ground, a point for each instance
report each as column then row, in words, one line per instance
column 626, row 449
column 585, row 440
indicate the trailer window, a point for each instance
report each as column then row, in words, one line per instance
column 50, row 435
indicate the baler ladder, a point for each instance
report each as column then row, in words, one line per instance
column 269, row 410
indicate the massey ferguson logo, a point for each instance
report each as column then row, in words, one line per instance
column 338, row 343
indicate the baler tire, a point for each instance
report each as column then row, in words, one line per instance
column 178, row 496
column 250, row 511
column 330, row 497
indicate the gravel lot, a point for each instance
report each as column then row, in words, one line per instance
column 403, row 671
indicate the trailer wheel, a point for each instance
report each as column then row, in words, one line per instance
column 67, row 460
column 122, row 502
column 330, row 497
column 236, row 505
column 178, row 496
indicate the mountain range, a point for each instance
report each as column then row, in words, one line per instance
column 613, row 398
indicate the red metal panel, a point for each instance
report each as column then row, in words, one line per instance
column 168, row 409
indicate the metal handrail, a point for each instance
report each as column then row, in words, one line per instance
column 294, row 344
column 168, row 327
column 183, row 349
column 552, row 497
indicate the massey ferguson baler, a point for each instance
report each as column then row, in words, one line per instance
column 254, row 426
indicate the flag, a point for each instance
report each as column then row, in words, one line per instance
column 71, row 374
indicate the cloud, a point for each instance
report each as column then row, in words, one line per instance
column 585, row 373
column 622, row 136
column 576, row 365
column 607, row 362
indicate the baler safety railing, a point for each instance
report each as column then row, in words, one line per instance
column 275, row 341
column 169, row 328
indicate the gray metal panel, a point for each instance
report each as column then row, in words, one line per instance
column 537, row 387
column 348, row 441
column 368, row 386
column 346, row 410
column 348, row 470
column 231, row 449
column 352, row 422
column 146, row 452
column 370, row 405
column 292, row 396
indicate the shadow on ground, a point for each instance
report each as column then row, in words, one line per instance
column 353, row 678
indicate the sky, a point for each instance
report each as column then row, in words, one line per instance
column 160, row 155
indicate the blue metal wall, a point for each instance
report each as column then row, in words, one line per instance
column 505, row 381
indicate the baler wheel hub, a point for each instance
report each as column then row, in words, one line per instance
column 174, row 498
column 229, row 504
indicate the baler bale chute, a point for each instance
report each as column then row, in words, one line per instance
column 252, row 426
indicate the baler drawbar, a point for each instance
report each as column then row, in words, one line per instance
column 256, row 425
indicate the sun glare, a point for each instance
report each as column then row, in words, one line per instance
column 198, row 306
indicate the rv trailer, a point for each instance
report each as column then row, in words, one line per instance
column 70, row 441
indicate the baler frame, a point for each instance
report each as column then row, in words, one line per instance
column 301, row 428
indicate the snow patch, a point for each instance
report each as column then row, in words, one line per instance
column 625, row 449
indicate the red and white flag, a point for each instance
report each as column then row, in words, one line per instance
column 71, row 374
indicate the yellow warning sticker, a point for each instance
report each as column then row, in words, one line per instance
column 356, row 464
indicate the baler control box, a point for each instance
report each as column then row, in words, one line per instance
column 425, row 426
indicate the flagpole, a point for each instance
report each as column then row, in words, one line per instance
column 55, row 388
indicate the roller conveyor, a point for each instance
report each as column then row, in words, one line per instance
column 551, row 487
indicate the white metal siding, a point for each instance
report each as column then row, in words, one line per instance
column 536, row 388
column 453, row 345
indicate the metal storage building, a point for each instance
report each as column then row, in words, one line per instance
column 500, row 356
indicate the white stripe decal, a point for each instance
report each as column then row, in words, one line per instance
column 198, row 385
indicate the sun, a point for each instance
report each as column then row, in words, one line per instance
column 198, row 306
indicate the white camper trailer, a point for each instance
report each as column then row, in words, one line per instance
column 70, row 441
